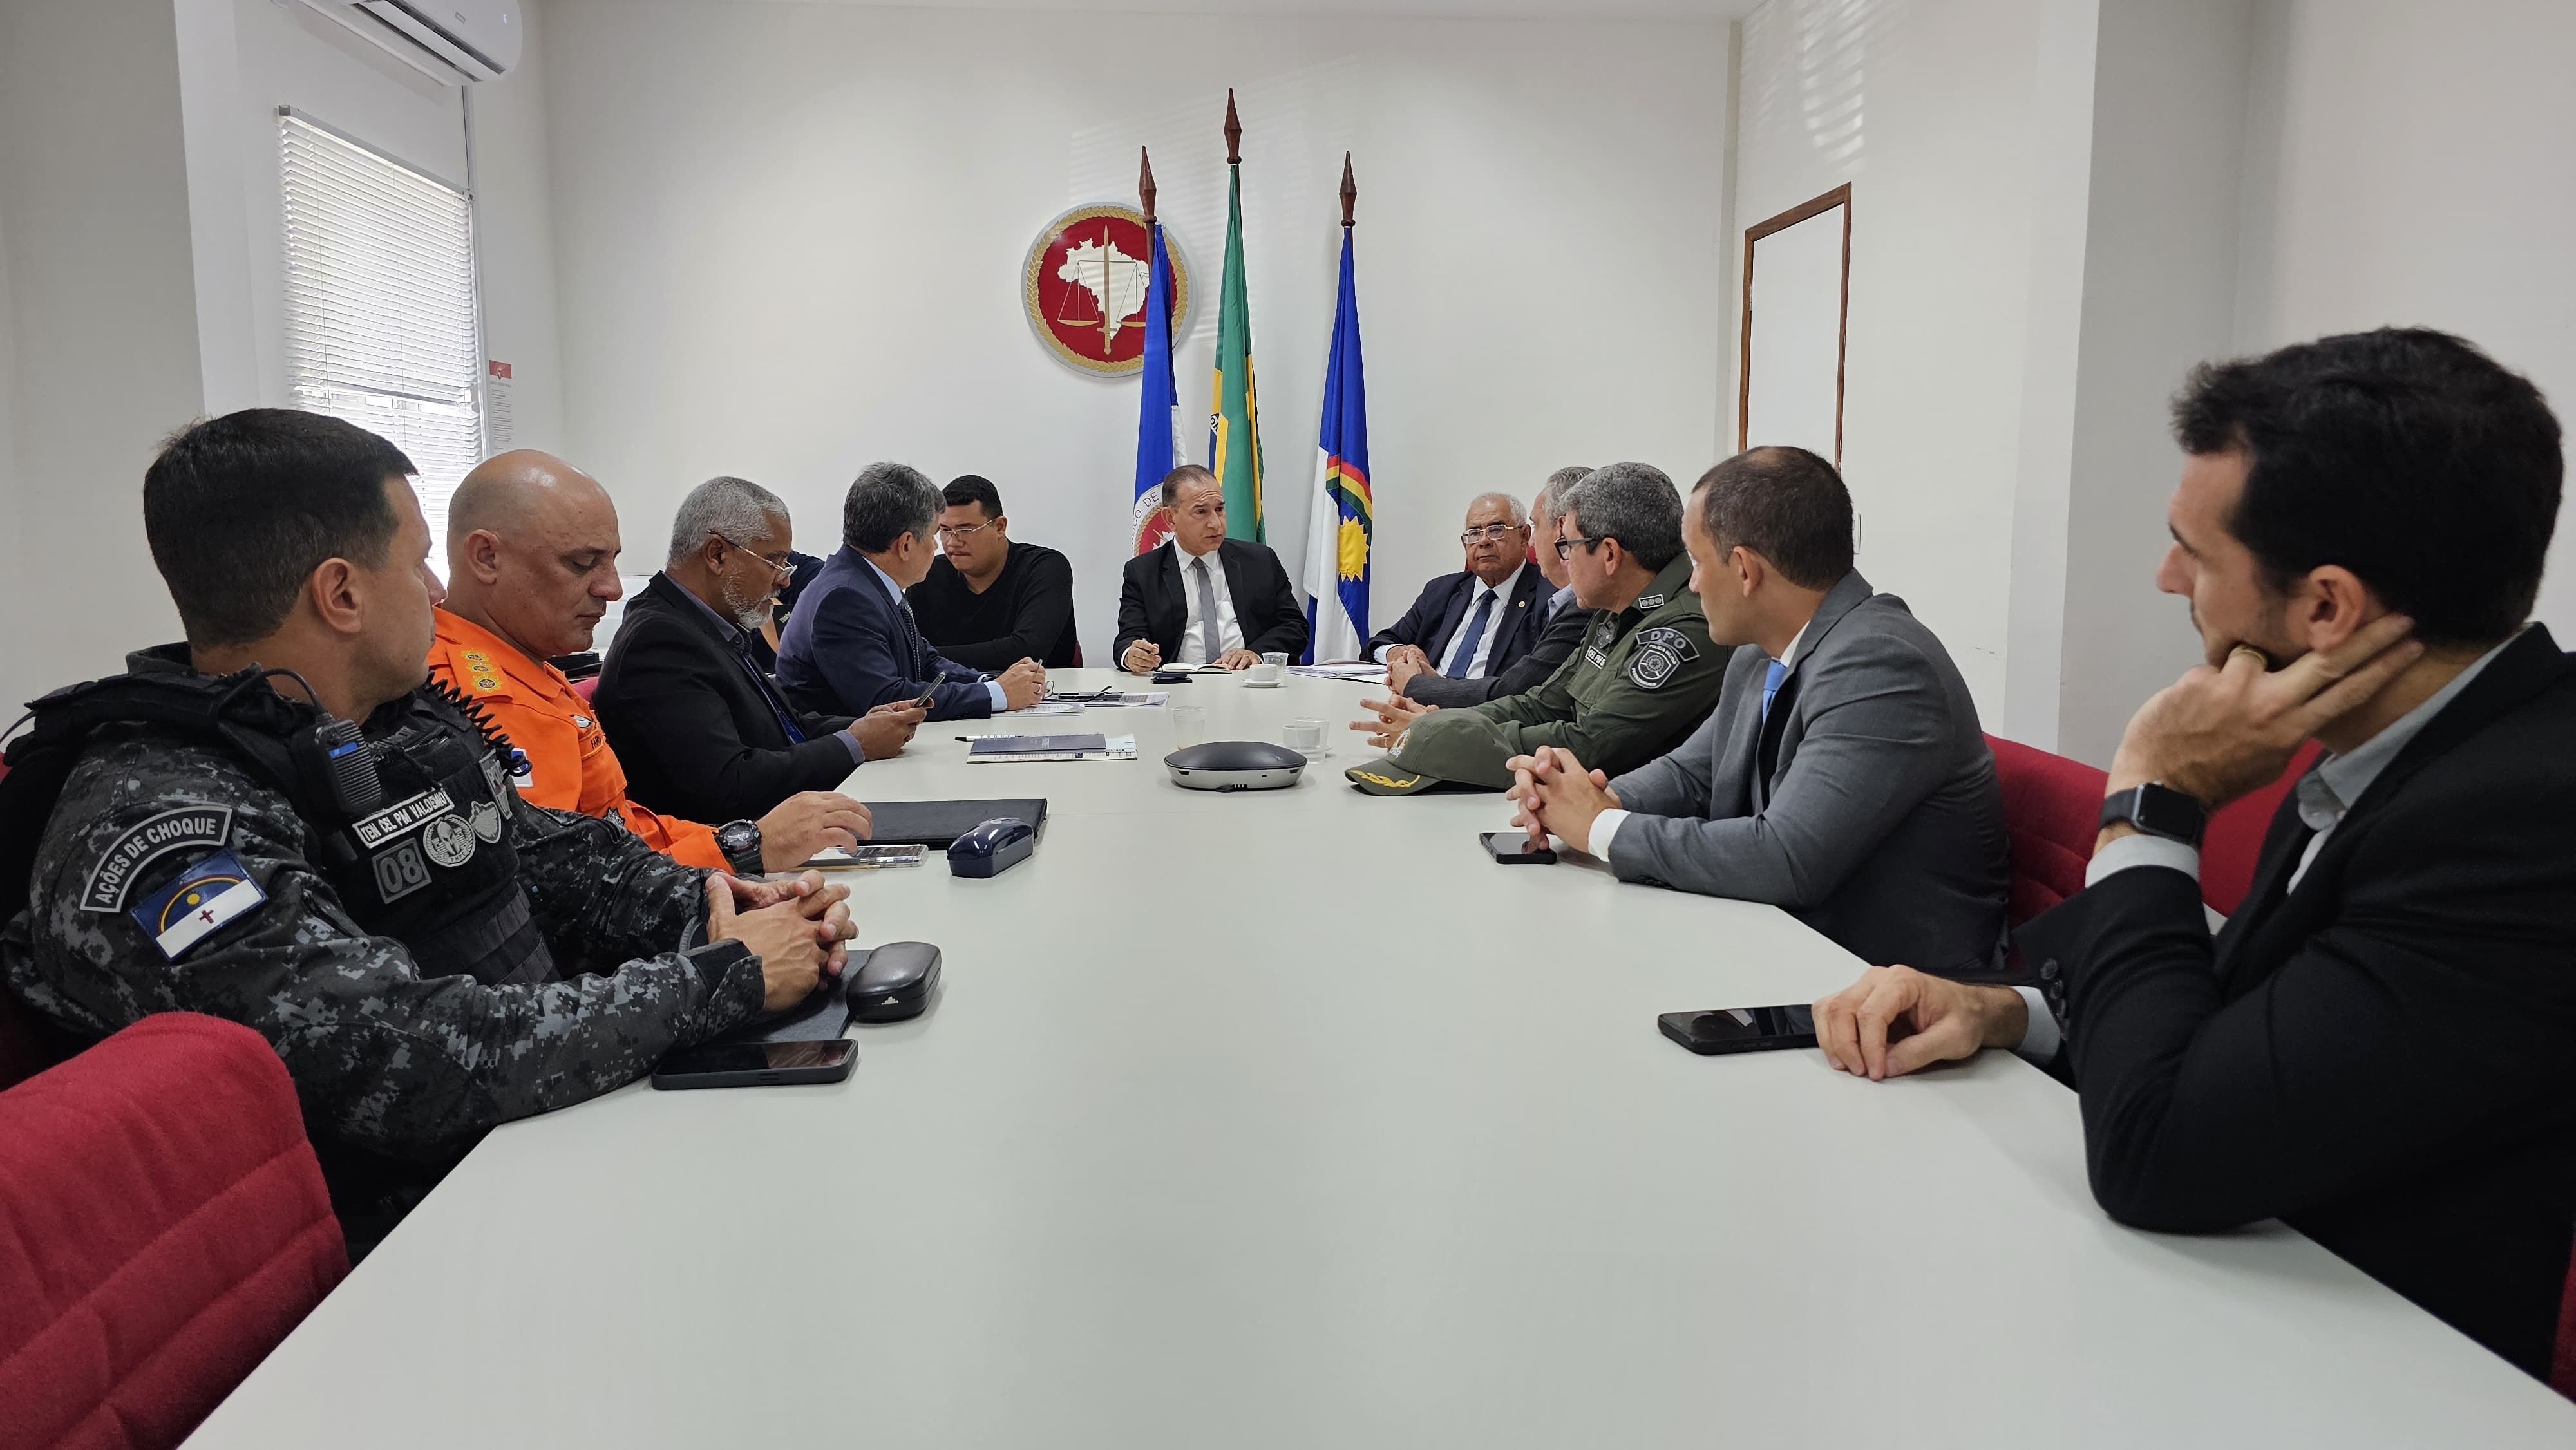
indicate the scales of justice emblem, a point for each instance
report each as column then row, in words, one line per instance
column 1083, row 287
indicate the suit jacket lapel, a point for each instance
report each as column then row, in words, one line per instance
column 1171, row 595
column 1230, row 554
column 1732, row 787
column 1452, row 614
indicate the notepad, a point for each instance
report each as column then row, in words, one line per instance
column 1034, row 744
column 990, row 748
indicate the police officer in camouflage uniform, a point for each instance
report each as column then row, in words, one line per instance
column 278, row 823
column 1644, row 678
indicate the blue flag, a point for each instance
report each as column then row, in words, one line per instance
column 1339, row 518
column 1158, row 413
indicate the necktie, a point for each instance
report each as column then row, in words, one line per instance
column 913, row 644
column 1771, row 679
column 1207, row 611
column 1468, row 638
column 760, row 682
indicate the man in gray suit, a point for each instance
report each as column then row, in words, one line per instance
column 1842, row 776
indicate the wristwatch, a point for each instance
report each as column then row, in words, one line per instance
column 740, row 842
column 2158, row 810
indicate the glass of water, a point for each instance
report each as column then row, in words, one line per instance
column 1306, row 737
column 1189, row 726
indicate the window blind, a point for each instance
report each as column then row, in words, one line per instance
column 380, row 320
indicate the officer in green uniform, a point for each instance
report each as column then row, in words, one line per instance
column 1643, row 680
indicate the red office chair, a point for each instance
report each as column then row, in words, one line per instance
column 2051, row 809
column 586, row 687
column 163, row 1225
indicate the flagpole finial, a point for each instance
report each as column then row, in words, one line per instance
column 1350, row 189
column 1145, row 183
column 1233, row 132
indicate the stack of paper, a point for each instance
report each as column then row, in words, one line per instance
column 1346, row 670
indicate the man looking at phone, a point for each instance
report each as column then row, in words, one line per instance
column 2376, row 1046
column 281, row 823
column 700, row 726
column 852, row 643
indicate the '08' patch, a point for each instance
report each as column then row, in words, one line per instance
column 1661, row 653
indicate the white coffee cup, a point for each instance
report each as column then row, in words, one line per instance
column 1272, row 669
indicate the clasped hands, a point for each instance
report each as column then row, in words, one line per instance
column 1553, row 795
column 2216, row 734
column 799, row 928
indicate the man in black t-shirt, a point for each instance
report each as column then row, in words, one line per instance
column 989, row 602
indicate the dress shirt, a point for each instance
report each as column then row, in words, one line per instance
column 1555, row 602
column 1229, row 630
column 894, row 591
column 1605, row 826
column 2328, row 790
column 740, row 639
column 1474, row 667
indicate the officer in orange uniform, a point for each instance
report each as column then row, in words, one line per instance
column 532, row 547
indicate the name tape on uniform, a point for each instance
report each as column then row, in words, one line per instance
column 149, row 842
column 402, row 817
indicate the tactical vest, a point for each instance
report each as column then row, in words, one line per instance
column 430, row 864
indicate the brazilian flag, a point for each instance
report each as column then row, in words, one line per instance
column 1234, row 430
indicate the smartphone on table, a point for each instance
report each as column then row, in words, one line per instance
column 1518, row 848
column 756, row 1064
column 1742, row 1029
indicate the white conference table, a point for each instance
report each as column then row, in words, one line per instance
column 1290, row 1119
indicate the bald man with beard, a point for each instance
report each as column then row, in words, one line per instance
column 532, row 547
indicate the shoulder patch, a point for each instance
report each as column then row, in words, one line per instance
column 1661, row 653
column 198, row 900
column 148, row 842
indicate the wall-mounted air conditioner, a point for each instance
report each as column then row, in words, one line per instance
column 453, row 41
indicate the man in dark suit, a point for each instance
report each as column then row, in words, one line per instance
column 1473, row 624
column 1842, row 775
column 2377, row 1046
column 702, row 729
column 1557, row 631
column 1204, row 598
column 852, row 644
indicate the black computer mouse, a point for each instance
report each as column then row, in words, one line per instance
column 992, row 848
column 893, row 981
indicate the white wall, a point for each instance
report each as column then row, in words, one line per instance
column 791, row 239
column 2410, row 165
column 94, row 224
column 1926, row 109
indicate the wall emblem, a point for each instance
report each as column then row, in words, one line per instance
column 1083, row 287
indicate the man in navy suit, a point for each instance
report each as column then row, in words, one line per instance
column 852, row 644
column 1473, row 624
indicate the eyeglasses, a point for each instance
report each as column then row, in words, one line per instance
column 1565, row 547
column 782, row 563
column 959, row 531
column 1496, row 532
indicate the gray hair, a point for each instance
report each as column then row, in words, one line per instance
column 1512, row 509
column 735, row 510
column 1635, row 504
column 1549, row 506
column 886, row 502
